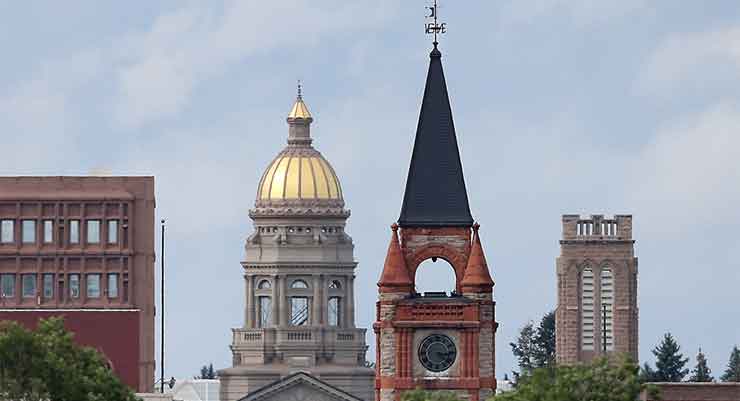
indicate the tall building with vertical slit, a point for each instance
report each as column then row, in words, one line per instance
column 597, row 311
column 299, row 339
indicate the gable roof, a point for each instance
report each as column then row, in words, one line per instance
column 435, row 188
column 295, row 379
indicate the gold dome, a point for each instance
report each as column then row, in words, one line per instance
column 299, row 110
column 297, row 175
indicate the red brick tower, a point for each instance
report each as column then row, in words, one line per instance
column 435, row 340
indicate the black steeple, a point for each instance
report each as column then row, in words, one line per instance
column 435, row 188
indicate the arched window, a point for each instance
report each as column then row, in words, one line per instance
column 298, row 284
column 435, row 275
column 264, row 285
column 607, row 309
column 335, row 285
column 587, row 309
column 265, row 311
column 334, row 315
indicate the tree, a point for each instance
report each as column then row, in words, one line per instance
column 535, row 348
column 598, row 381
column 670, row 362
column 544, row 341
column 523, row 349
column 732, row 374
column 207, row 372
column 701, row 372
column 648, row 374
column 46, row 365
column 426, row 395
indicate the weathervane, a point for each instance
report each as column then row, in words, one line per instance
column 435, row 27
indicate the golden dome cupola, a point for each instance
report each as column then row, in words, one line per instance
column 299, row 181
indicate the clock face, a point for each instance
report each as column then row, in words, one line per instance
column 437, row 352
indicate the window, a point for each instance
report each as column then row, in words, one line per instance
column 333, row 315
column 7, row 285
column 48, row 285
column 264, row 285
column 74, row 231
column 93, row 285
column 28, row 283
column 587, row 308
column 335, row 284
column 112, row 231
column 299, row 284
column 74, row 285
column 48, row 231
column 299, row 313
column 265, row 312
column 112, row 285
column 607, row 309
column 93, row 231
column 28, row 231
column 7, row 233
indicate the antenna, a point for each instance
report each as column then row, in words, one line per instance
column 434, row 28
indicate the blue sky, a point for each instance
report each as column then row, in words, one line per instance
column 561, row 106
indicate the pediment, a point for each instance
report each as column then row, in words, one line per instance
column 299, row 387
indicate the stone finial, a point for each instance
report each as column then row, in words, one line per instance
column 395, row 276
column 477, row 278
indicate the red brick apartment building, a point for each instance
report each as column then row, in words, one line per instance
column 83, row 248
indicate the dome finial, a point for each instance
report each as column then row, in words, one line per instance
column 300, row 90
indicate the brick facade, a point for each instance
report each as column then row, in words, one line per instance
column 695, row 392
column 605, row 247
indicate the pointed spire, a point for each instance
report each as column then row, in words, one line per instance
column 435, row 188
column 299, row 121
column 477, row 278
column 395, row 276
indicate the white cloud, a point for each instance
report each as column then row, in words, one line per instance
column 694, row 61
column 689, row 173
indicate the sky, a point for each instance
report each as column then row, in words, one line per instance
column 560, row 106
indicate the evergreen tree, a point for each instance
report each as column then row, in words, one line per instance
column 211, row 373
column 647, row 374
column 732, row 374
column 670, row 362
column 544, row 341
column 701, row 372
column 207, row 372
column 524, row 348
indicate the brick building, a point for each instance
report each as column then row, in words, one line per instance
column 83, row 248
column 597, row 289
column 435, row 340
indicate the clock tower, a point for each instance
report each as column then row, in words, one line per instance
column 435, row 340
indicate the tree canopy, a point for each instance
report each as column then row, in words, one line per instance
column 46, row 365
column 701, row 372
column 732, row 373
column 670, row 362
column 207, row 372
column 535, row 347
column 598, row 381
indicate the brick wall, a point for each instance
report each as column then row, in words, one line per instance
column 695, row 392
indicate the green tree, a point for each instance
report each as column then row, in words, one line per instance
column 598, row 381
column 524, row 348
column 732, row 374
column 46, row 365
column 647, row 374
column 207, row 372
column 701, row 372
column 427, row 395
column 544, row 341
column 535, row 348
column 670, row 361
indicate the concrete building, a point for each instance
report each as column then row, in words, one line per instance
column 83, row 248
column 435, row 341
column 299, row 282
column 597, row 289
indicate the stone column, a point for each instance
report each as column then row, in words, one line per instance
column 249, row 312
column 275, row 302
column 284, row 307
column 350, row 313
column 317, row 302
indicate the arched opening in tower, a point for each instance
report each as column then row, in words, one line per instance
column 435, row 275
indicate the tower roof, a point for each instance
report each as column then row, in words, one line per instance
column 435, row 188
